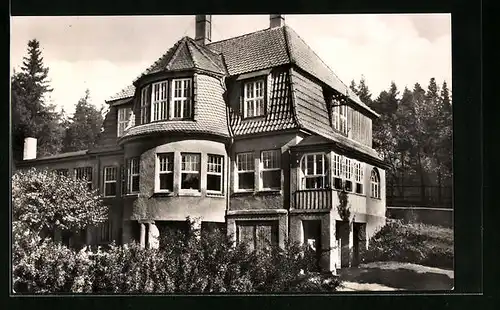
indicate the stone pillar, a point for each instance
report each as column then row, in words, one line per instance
column 325, row 243
column 153, row 236
column 142, row 235
column 333, row 245
column 231, row 229
column 351, row 243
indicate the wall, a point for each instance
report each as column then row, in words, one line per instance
column 431, row 216
column 178, row 205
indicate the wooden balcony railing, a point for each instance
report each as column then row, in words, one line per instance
column 312, row 199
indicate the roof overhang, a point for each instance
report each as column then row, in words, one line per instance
column 120, row 101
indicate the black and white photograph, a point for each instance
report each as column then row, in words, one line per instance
column 231, row 154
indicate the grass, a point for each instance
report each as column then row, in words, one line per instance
column 420, row 244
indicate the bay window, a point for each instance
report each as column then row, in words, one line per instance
column 215, row 168
column 246, row 171
column 159, row 101
column 190, row 171
column 271, row 169
column 145, row 104
column 84, row 173
column 165, row 179
column 375, row 184
column 358, row 177
column 110, row 178
column 133, row 175
column 348, row 174
column 124, row 115
column 338, row 171
column 314, row 169
column 182, row 106
column 253, row 99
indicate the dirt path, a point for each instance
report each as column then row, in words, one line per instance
column 387, row 276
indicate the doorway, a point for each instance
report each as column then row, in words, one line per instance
column 312, row 238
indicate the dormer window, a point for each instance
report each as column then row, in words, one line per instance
column 181, row 98
column 339, row 118
column 124, row 115
column 253, row 98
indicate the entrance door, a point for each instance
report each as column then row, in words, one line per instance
column 342, row 233
column 312, row 238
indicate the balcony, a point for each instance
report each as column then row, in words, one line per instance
column 313, row 199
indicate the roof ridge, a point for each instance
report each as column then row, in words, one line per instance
column 202, row 50
column 195, row 64
column 176, row 53
column 246, row 34
column 145, row 72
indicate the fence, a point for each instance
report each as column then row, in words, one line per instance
column 428, row 196
column 431, row 216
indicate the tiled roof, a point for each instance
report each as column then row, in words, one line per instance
column 63, row 155
column 279, row 114
column 312, row 113
column 127, row 92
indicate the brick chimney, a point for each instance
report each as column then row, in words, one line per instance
column 276, row 20
column 29, row 148
column 203, row 34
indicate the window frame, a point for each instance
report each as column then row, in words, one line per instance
column 255, row 98
column 145, row 105
column 348, row 173
column 263, row 169
column 182, row 170
column 85, row 170
column 303, row 172
column 375, row 184
column 105, row 182
column 62, row 172
column 183, row 99
column 359, row 177
column 131, row 175
column 160, row 102
column 339, row 117
column 159, row 172
column 122, row 120
column 238, row 171
column 221, row 173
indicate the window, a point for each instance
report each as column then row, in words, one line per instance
column 166, row 172
column 253, row 99
column 339, row 117
column 181, row 99
column 159, row 101
column 133, row 175
column 246, row 171
column 348, row 174
column 124, row 115
column 257, row 235
column 358, row 177
column 84, row 173
column 271, row 169
column 190, row 171
column 375, row 184
column 104, row 231
column 214, row 173
column 123, row 174
column 314, row 171
column 63, row 172
column 338, row 171
column 110, row 176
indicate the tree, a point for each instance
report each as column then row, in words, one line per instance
column 32, row 116
column 43, row 200
column 362, row 91
column 84, row 129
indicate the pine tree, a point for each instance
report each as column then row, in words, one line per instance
column 364, row 93
column 32, row 116
column 84, row 129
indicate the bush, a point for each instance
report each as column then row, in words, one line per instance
column 413, row 243
column 185, row 264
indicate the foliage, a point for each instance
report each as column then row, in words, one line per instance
column 42, row 199
column 344, row 208
column 32, row 116
column 84, row 129
column 413, row 243
column 184, row 264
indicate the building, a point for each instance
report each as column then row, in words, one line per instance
column 254, row 133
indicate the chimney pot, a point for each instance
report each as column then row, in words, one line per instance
column 276, row 20
column 203, row 30
column 29, row 148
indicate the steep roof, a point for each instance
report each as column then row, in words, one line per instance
column 127, row 92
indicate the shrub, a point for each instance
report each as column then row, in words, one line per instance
column 413, row 243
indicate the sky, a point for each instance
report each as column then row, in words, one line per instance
column 106, row 53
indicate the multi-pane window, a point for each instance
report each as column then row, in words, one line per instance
column 145, row 104
column 246, row 171
column 123, row 174
column 358, row 177
column 159, row 102
column 190, row 171
column 110, row 178
column 124, row 115
column 166, row 172
column 253, row 99
column 314, row 171
column 63, row 172
column 181, row 99
column 271, row 169
column 104, row 231
column 375, row 184
column 84, row 173
column 133, row 175
column 348, row 164
column 215, row 168
column 339, row 117
column 338, row 171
